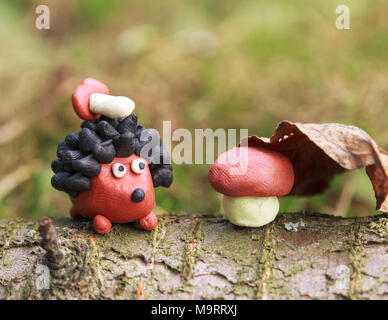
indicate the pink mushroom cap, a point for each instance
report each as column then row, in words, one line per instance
column 252, row 171
column 80, row 98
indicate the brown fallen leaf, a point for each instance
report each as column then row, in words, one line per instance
column 320, row 151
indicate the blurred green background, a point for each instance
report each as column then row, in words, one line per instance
column 201, row 64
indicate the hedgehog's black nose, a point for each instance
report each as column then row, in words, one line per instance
column 138, row 195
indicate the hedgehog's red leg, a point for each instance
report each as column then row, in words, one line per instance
column 101, row 224
column 149, row 222
column 74, row 213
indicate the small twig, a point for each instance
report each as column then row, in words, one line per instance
column 50, row 243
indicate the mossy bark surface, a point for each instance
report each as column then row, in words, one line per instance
column 298, row 256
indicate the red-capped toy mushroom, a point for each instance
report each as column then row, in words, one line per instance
column 91, row 99
column 251, row 179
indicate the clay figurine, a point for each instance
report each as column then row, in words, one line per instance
column 251, row 179
column 100, row 166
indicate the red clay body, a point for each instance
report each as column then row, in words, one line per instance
column 109, row 198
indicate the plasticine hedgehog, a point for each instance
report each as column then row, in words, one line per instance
column 100, row 167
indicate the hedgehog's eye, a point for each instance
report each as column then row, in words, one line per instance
column 138, row 166
column 119, row 170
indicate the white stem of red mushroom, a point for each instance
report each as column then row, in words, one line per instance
column 250, row 211
column 250, row 196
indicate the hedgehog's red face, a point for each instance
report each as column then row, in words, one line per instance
column 123, row 191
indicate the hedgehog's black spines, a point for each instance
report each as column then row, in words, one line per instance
column 71, row 193
column 164, row 158
column 70, row 183
column 69, row 156
column 113, row 122
column 99, row 141
column 124, row 144
column 57, row 166
column 58, row 181
column 154, row 160
column 128, row 124
column 139, row 129
column 87, row 141
column 162, row 176
column 164, row 155
column 104, row 152
column 91, row 125
column 62, row 147
column 77, row 182
column 138, row 147
column 72, row 140
column 145, row 136
column 88, row 165
column 106, row 131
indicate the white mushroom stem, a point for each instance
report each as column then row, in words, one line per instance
column 111, row 106
column 250, row 211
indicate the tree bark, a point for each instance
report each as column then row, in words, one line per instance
column 299, row 256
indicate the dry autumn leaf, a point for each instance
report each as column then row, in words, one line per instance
column 320, row 151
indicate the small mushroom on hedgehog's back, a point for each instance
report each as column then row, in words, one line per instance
column 81, row 95
column 250, row 180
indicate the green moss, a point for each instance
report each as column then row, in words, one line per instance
column 357, row 261
column 190, row 252
column 265, row 263
column 380, row 228
column 245, row 290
